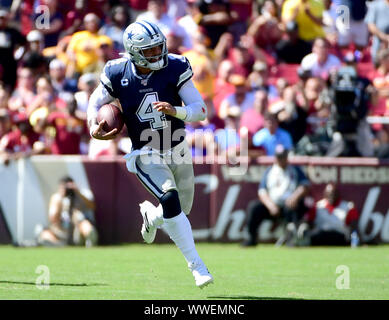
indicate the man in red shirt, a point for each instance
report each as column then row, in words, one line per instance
column 21, row 141
column 69, row 130
column 223, row 87
column 331, row 221
column 253, row 119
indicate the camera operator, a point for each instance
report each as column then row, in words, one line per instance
column 351, row 94
column 71, row 217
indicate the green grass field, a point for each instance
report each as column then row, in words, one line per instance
column 149, row 272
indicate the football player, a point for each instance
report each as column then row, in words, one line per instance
column 156, row 95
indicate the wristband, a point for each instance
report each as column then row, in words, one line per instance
column 181, row 113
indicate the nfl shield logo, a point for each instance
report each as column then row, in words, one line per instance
column 144, row 82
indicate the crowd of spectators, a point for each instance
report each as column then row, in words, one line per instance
column 267, row 71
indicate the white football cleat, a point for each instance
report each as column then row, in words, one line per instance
column 201, row 274
column 148, row 230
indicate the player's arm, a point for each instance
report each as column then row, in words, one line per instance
column 194, row 108
column 99, row 97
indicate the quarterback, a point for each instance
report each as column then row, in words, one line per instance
column 156, row 95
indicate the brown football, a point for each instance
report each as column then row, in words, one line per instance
column 113, row 117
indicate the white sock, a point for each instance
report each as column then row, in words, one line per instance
column 180, row 231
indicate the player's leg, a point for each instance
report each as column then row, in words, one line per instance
column 185, row 186
column 182, row 168
column 157, row 178
column 178, row 227
column 160, row 181
column 176, row 223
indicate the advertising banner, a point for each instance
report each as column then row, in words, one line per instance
column 222, row 194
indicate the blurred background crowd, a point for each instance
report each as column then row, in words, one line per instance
column 312, row 75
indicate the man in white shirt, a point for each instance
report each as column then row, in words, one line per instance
column 320, row 62
column 281, row 195
column 156, row 13
column 188, row 22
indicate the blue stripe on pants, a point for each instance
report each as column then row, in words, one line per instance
column 145, row 178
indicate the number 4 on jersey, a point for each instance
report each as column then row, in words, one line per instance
column 146, row 112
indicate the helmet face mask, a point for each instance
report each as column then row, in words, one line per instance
column 141, row 36
column 154, row 62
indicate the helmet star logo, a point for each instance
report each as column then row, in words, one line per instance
column 130, row 34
